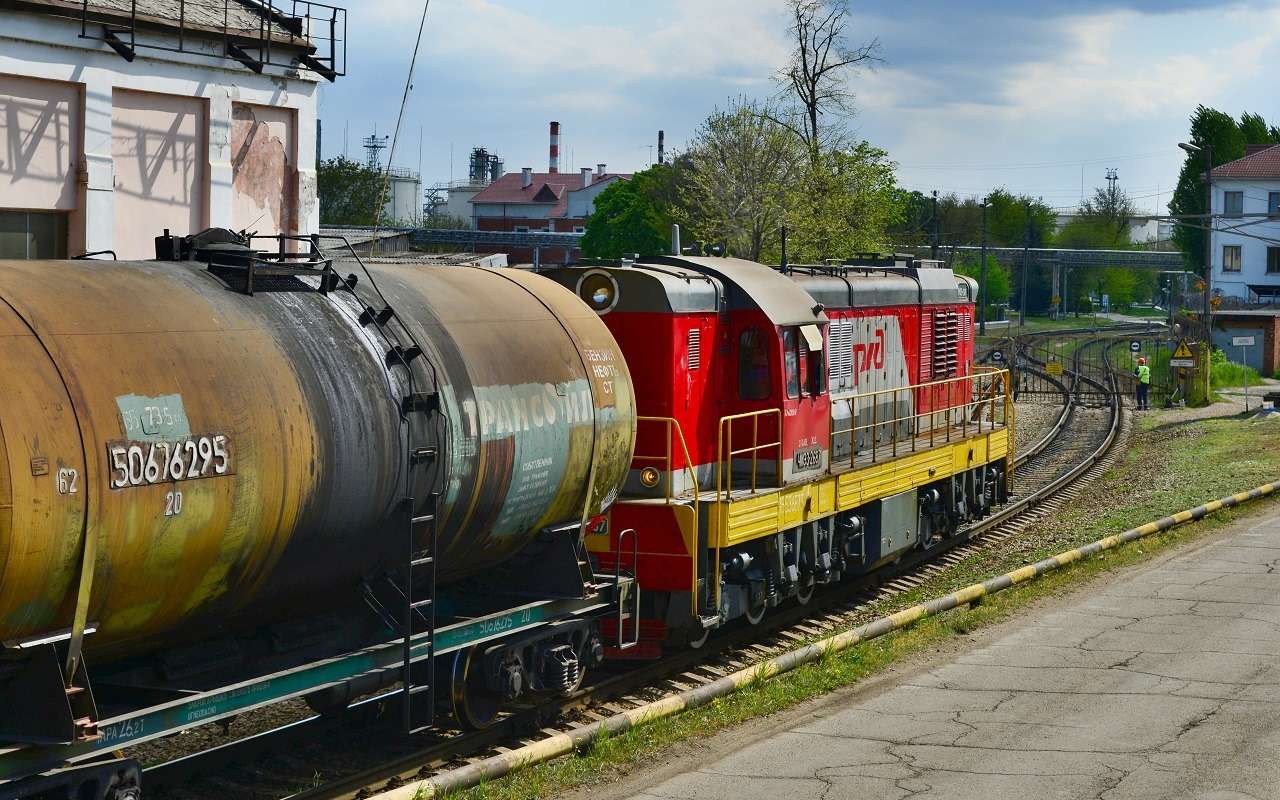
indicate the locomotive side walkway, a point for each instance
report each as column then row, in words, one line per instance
column 1162, row 682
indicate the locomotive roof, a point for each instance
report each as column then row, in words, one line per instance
column 648, row 287
column 864, row 289
column 779, row 297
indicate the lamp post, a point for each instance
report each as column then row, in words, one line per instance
column 982, row 276
column 1207, row 150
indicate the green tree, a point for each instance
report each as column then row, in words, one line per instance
column 348, row 192
column 1227, row 137
column 741, row 164
column 996, row 289
column 842, row 203
column 632, row 216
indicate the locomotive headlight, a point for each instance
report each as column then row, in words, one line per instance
column 599, row 290
column 649, row 477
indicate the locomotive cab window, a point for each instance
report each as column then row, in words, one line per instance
column 791, row 359
column 753, row 365
column 804, row 363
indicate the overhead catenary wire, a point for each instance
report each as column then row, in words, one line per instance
column 395, row 136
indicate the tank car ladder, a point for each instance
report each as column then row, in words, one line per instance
column 419, row 564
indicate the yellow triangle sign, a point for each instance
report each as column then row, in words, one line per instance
column 1183, row 351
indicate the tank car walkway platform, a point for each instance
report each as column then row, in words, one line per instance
column 1162, row 681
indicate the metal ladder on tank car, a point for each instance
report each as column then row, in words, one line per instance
column 419, row 565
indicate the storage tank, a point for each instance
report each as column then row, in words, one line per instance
column 226, row 458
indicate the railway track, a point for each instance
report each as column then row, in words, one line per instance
column 320, row 758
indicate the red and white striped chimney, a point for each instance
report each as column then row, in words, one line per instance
column 554, row 166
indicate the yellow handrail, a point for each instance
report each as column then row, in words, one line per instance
column 980, row 387
column 725, row 452
column 674, row 433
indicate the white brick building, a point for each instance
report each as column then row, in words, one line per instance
column 1246, row 239
column 116, row 124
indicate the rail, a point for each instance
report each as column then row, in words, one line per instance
column 984, row 388
column 675, row 435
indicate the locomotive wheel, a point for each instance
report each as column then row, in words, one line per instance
column 756, row 614
column 474, row 705
column 805, row 593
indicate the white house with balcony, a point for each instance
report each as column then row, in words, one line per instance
column 1245, row 242
column 121, row 118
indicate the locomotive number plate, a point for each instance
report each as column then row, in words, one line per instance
column 134, row 463
column 808, row 459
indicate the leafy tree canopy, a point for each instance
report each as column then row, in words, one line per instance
column 348, row 192
column 632, row 216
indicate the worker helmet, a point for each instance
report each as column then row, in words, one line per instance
column 1142, row 359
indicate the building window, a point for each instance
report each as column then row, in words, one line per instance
column 753, row 365
column 521, row 229
column 579, row 229
column 1231, row 258
column 1273, row 204
column 1273, row 260
column 33, row 234
column 1233, row 204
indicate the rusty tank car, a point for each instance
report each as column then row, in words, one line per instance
column 202, row 448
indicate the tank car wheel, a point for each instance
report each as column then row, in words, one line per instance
column 474, row 705
column 805, row 593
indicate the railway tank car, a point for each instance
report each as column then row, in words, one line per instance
column 194, row 448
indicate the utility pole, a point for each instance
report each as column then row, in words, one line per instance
column 1208, row 243
column 1026, row 258
column 934, row 245
column 1207, row 311
column 982, row 276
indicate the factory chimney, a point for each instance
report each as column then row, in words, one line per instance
column 554, row 166
column 526, row 177
column 600, row 170
column 586, row 177
column 662, row 149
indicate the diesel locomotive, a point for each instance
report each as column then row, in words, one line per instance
column 797, row 425
column 236, row 475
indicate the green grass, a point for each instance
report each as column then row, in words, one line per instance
column 1165, row 471
column 1230, row 375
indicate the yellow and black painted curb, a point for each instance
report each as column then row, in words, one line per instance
column 582, row 738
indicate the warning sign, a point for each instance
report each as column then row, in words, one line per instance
column 1183, row 356
column 1053, row 368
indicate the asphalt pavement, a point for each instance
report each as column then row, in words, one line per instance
column 1162, row 682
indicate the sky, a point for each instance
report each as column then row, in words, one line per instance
column 1037, row 97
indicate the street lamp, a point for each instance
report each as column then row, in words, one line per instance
column 1207, row 150
column 982, row 275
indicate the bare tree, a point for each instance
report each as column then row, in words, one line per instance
column 822, row 64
